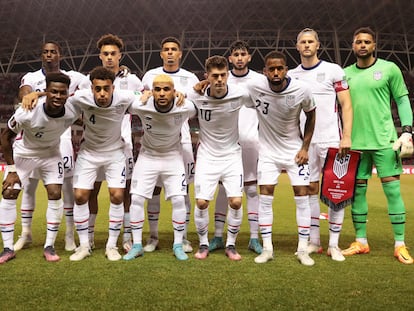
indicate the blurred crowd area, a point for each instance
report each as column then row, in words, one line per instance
column 8, row 101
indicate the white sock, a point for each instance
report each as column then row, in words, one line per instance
column 266, row 220
column 81, row 218
column 201, row 220
column 68, row 202
column 220, row 211
column 178, row 217
column 54, row 215
column 188, row 214
column 234, row 220
column 8, row 217
column 91, row 226
column 252, row 201
column 28, row 205
column 315, row 212
column 303, row 220
column 153, row 212
column 127, row 226
column 137, row 214
column 116, row 217
column 336, row 219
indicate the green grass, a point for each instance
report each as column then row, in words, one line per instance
column 159, row 282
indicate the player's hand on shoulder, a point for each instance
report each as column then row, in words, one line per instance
column 180, row 98
column 124, row 71
column 29, row 101
column 201, row 86
column 146, row 94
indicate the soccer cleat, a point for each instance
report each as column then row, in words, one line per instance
column 313, row 248
column 232, row 253
column 179, row 252
column 152, row 244
column 7, row 255
column 254, row 245
column 356, row 248
column 187, row 246
column 304, row 258
column 50, row 254
column 24, row 241
column 135, row 252
column 402, row 254
column 265, row 256
column 216, row 243
column 81, row 253
column 202, row 252
column 335, row 253
column 70, row 242
column 127, row 245
column 112, row 253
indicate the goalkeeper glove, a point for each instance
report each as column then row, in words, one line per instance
column 405, row 144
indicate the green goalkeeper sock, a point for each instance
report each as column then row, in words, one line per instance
column 360, row 211
column 396, row 208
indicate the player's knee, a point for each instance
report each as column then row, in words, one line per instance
column 235, row 203
column 202, row 204
column 11, row 194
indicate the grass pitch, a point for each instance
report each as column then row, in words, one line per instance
column 158, row 281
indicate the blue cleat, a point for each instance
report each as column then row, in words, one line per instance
column 254, row 245
column 216, row 243
column 179, row 252
column 135, row 252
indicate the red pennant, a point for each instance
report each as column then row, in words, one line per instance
column 339, row 178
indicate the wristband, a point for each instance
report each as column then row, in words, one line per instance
column 406, row 129
column 11, row 168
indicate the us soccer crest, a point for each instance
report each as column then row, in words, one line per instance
column 183, row 81
column 177, row 119
column 290, row 100
column 320, row 77
column 340, row 166
column 377, row 75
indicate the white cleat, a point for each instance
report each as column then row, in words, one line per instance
column 264, row 257
column 112, row 253
column 335, row 253
column 187, row 248
column 151, row 246
column 70, row 244
column 24, row 241
column 304, row 258
column 313, row 248
column 81, row 253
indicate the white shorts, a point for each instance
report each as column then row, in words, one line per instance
column 208, row 173
column 50, row 170
column 188, row 157
column 149, row 169
column 317, row 155
column 68, row 158
column 268, row 172
column 89, row 164
column 250, row 156
column 129, row 165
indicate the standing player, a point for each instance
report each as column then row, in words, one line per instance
column 161, row 159
column 38, row 150
column 279, row 101
column 249, row 142
column 171, row 53
column 36, row 81
column 110, row 47
column 329, row 87
column 219, row 153
column 373, row 83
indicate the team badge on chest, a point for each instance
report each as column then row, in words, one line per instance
column 290, row 100
column 377, row 75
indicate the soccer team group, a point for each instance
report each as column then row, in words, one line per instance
column 252, row 126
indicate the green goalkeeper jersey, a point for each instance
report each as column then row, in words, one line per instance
column 371, row 91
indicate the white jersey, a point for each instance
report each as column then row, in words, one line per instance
column 37, row 81
column 248, row 121
column 129, row 82
column 325, row 80
column 41, row 133
column 218, row 118
column 162, row 130
column 102, row 125
column 278, row 112
column 184, row 81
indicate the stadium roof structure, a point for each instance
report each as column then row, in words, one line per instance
column 205, row 27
